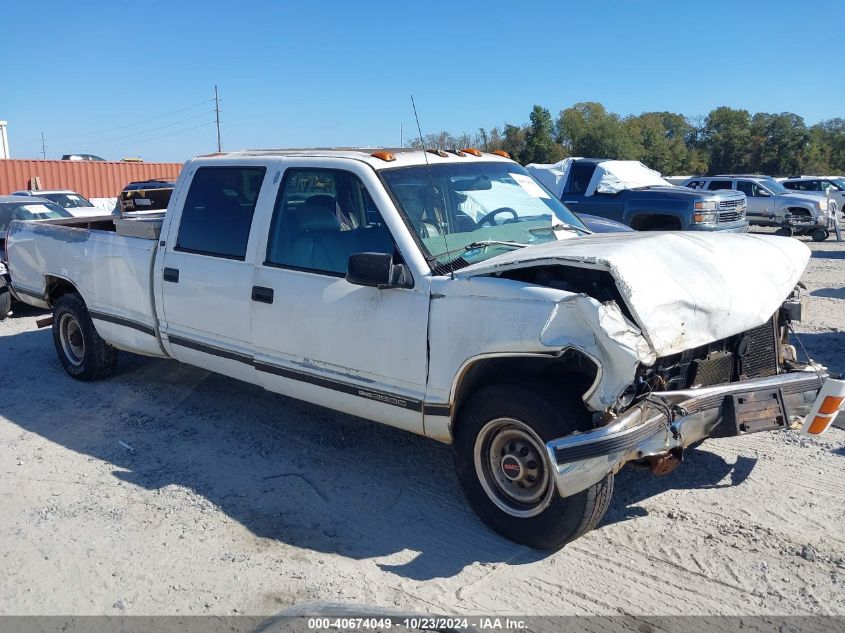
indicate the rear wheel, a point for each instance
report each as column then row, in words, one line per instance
column 505, row 470
column 784, row 232
column 83, row 354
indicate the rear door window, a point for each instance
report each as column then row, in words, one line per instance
column 218, row 210
column 719, row 184
column 581, row 175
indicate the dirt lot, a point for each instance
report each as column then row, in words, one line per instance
column 233, row 500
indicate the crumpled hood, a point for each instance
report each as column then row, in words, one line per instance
column 684, row 289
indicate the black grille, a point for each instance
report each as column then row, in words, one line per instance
column 761, row 358
column 716, row 369
column 752, row 354
column 730, row 204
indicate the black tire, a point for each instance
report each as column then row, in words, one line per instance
column 83, row 354
column 552, row 520
column 5, row 299
column 784, row 232
column 819, row 235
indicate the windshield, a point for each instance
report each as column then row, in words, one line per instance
column 67, row 200
column 774, row 186
column 476, row 211
column 38, row 211
column 839, row 183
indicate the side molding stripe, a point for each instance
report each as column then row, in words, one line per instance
column 343, row 387
column 109, row 318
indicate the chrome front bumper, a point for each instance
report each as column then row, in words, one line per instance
column 668, row 420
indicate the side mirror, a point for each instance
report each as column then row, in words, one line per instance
column 377, row 270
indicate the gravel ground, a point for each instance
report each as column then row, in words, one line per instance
column 169, row 490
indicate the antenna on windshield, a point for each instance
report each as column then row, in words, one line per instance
column 442, row 226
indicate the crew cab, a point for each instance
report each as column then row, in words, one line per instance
column 629, row 192
column 772, row 204
column 448, row 294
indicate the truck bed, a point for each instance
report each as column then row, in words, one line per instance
column 111, row 269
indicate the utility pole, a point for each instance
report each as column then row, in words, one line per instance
column 217, row 111
column 43, row 147
column 401, row 136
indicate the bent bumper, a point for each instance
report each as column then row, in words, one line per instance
column 675, row 420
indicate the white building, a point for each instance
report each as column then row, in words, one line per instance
column 4, row 141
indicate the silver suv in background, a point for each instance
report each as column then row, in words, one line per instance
column 832, row 186
column 772, row 204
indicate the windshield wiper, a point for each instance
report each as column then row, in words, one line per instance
column 482, row 243
column 558, row 227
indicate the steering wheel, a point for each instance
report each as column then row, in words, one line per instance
column 490, row 217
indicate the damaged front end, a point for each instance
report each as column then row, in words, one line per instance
column 690, row 341
column 746, row 383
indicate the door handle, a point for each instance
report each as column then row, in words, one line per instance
column 262, row 295
column 171, row 274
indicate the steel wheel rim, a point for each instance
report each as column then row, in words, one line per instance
column 73, row 344
column 511, row 464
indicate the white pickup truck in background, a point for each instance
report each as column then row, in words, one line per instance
column 447, row 294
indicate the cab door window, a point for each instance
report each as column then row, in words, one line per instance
column 322, row 217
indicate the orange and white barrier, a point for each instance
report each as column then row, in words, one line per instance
column 825, row 408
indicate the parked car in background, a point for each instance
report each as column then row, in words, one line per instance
column 146, row 195
column 78, row 205
column 547, row 356
column 772, row 204
column 834, row 186
column 81, row 157
column 627, row 191
column 18, row 208
column 602, row 225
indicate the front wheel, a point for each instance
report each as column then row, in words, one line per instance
column 5, row 299
column 506, row 473
column 819, row 235
column 83, row 354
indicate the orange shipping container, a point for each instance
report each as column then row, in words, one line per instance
column 93, row 179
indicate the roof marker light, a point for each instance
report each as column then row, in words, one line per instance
column 471, row 150
column 438, row 152
column 502, row 153
column 458, row 152
column 385, row 156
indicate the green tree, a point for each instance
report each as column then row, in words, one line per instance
column 513, row 141
column 778, row 143
column 826, row 147
column 726, row 137
column 587, row 129
column 540, row 146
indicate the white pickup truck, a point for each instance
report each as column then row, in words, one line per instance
column 447, row 294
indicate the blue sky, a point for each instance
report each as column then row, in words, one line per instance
column 126, row 79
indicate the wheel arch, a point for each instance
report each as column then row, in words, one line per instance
column 56, row 287
column 643, row 221
column 570, row 368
